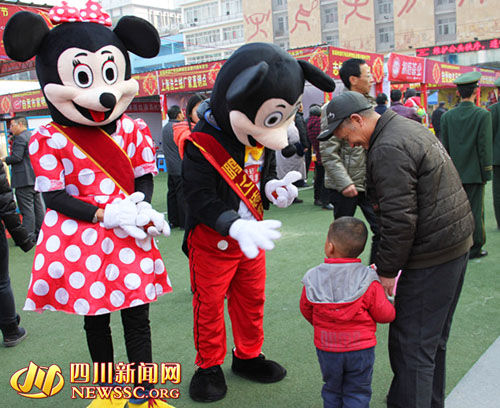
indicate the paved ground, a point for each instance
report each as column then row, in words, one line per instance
column 480, row 387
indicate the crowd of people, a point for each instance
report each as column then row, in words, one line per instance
column 367, row 154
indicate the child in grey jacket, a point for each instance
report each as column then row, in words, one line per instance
column 344, row 301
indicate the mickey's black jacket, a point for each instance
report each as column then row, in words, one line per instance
column 209, row 199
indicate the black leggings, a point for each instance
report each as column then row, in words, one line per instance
column 137, row 333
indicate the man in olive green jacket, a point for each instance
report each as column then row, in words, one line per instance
column 345, row 166
column 495, row 120
column 467, row 136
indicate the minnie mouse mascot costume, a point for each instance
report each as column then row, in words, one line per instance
column 228, row 161
column 95, row 253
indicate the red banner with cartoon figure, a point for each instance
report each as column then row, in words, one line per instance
column 189, row 78
column 374, row 61
column 405, row 68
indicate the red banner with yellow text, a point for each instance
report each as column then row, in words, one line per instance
column 189, row 78
column 339, row 55
column 318, row 56
column 441, row 75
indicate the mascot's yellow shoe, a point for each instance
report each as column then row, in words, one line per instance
column 107, row 403
column 151, row 403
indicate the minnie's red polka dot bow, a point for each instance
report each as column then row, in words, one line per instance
column 92, row 13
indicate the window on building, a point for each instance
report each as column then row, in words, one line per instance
column 332, row 39
column 444, row 2
column 231, row 7
column 204, row 13
column 279, row 4
column 283, row 45
column 202, row 39
column 385, row 37
column 384, row 7
column 446, row 28
column 233, row 34
column 280, row 23
column 329, row 14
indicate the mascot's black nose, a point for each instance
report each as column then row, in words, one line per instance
column 107, row 100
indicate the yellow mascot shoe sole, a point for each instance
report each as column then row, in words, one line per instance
column 152, row 403
column 107, row 403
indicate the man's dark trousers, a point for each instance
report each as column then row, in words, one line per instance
column 175, row 201
column 321, row 193
column 31, row 207
column 346, row 207
column 475, row 193
column 496, row 193
column 425, row 302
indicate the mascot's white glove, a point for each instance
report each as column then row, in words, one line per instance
column 123, row 214
column 146, row 214
column 282, row 192
column 252, row 235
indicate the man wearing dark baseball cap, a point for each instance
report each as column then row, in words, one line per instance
column 407, row 168
column 340, row 108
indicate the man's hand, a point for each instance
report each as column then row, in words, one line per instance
column 388, row 285
column 350, row 191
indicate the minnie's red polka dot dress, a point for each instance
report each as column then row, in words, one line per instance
column 81, row 267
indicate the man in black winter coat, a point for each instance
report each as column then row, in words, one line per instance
column 426, row 231
column 175, row 193
column 9, row 319
column 23, row 178
column 304, row 148
column 436, row 119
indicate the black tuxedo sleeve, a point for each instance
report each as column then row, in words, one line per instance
column 206, row 194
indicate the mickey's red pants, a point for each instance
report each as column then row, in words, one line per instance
column 218, row 270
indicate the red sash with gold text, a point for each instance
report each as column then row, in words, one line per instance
column 231, row 171
column 103, row 151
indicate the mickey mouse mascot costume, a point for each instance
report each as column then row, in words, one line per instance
column 227, row 163
column 95, row 253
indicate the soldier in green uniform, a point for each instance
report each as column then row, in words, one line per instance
column 467, row 136
column 495, row 120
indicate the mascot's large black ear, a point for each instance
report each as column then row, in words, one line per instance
column 139, row 36
column 247, row 81
column 23, row 34
column 317, row 77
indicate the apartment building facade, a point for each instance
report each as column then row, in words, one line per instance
column 213, row 28
column 163, row 14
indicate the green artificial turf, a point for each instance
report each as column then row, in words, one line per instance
column 58, row 338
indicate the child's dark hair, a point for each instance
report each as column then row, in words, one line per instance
column 349, row 234
column 173, row 112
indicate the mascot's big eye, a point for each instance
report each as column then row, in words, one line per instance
column 82, row 74
column 273, row 119
column 110, row 72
